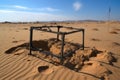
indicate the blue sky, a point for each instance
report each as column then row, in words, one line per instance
column 58, row 10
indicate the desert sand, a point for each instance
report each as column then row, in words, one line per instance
column 101, row 38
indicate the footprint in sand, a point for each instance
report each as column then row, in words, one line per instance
column 25, row 28
column 116, row 29
column 116, row 44
column 17, row 41
column 14, row 41
column 47, row 70
column 19, row 52
column 95, row 29
column 94, row 39
column 114, row 32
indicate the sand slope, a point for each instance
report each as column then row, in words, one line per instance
column 25, row 67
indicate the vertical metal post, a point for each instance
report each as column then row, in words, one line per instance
column 57, row 33
column 83, row 38
column 30, row 44
column 62, row 48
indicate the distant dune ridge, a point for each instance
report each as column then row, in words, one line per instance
column 99, row 60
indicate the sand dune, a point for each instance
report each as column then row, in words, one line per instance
column 18, row 65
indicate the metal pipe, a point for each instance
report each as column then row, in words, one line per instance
column 58, row 32
column 62, row 48
column 73, row 31
column 31, row 36
column 83, row 38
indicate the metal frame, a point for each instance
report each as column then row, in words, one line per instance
column 48, row 29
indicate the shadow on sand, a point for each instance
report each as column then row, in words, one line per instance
column 44, row 45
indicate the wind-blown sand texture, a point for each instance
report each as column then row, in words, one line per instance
column 16, row 64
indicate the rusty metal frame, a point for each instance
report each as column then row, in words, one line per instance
column 48, row 29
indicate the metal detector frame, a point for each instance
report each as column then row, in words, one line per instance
column 48, row 29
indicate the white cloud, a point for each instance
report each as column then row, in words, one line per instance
column 20, row 7
column 47, row 9
column 6, row 11
column 33, row 9
column 51, row 9
column 77, row 6
column 15, row 16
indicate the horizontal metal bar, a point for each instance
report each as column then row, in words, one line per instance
column 53, row 26
column 40, row 28
column 48, row 29
column 73, row 28
column 52, row 31
column 73, row 32
column 58, row 26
